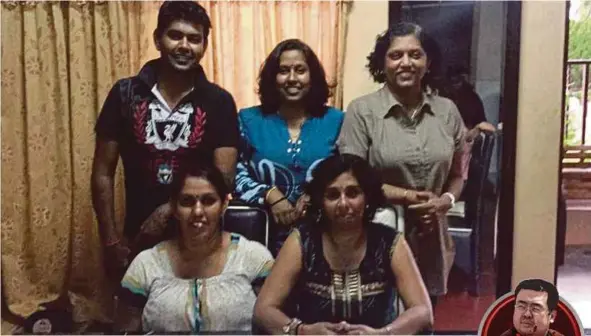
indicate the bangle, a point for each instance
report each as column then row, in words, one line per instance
column 269, row 192
column 291, row 327
column 278, row 201
column 451, row 197
column 388, row 330
column 297, row 328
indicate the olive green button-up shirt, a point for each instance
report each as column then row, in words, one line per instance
column 410, row 153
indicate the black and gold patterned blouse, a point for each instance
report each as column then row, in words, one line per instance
column 366, row 295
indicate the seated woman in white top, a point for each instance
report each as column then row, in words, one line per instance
column 202, row 280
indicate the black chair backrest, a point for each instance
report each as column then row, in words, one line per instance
column 478, row 174
column 251, row 222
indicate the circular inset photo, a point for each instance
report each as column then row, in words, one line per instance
column 534, row 309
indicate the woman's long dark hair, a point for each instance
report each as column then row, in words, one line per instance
column 329, row 169
column 320, row 90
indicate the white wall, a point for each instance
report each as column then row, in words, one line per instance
column 367, row 20
column 538, row 139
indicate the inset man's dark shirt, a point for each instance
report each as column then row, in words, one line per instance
column 513, row 332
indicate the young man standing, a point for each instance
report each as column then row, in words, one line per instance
column 167, row 115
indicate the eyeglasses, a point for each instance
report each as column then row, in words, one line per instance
column 333, row 194
column 534, row 308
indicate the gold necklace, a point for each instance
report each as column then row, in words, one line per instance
column 295, row 135
column 414, row 112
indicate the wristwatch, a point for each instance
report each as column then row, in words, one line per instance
column 291, row 327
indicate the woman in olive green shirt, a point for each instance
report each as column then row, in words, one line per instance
column 415, row 140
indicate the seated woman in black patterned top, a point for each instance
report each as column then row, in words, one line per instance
column 344, row 272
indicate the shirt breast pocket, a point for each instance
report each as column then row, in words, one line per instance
column 441, row 144
column 392, row 146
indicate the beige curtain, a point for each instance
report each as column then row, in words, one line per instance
column 59, row 60
column 245, row 32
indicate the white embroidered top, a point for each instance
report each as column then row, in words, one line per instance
column 219, row 303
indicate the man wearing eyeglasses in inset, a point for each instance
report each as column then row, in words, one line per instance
column 535, row 308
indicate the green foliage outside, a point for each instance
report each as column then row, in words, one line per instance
column 569, row 131
column 579, row 33
column 579, row 47
column 579, row 40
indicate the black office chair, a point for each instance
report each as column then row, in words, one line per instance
column 249, row 221
column 466, row 230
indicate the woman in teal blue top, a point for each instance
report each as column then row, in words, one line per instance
column 286, row 136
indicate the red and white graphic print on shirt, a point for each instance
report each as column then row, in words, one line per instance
column 183, row 128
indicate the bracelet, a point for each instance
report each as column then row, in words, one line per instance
column 269, row 192
column 451, row 197
column 297, row 328
column 113, row 243
column 291, row 327
column 388, row 330
column 405, row 194
column 278, row 201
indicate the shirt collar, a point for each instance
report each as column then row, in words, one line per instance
column 391, row 105
column 158, row 95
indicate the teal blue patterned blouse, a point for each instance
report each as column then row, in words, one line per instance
column 269, row 158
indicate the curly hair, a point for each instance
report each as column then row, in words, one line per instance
column 320, row 90
column 190, row 11
column 330, row 168
column 376, row 59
